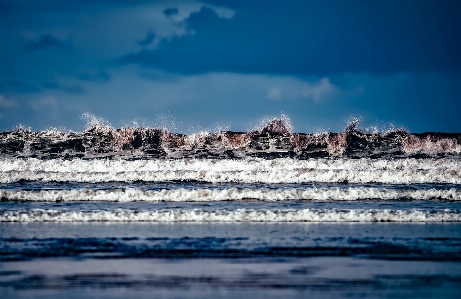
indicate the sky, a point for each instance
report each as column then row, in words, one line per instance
column 214, row 65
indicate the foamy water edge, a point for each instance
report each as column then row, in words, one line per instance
column 239, row 215
column 286, row 170
column 230, row 194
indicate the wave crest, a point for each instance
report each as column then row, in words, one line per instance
column 239, row 215
column 231, row 194
column 274, row 139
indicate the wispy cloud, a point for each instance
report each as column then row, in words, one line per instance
column 150, row 36
column 7, row 103
column 297, row 89
column 222, row 12
column 274, row 93
column 46, row 102
column 318, row 89
column 48, row 106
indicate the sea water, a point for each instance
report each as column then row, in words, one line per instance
column 258, row 218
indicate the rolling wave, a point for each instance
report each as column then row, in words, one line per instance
column 231, row 194
column 255, row 170
column 239, row 215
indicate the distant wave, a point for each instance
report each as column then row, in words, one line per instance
column 254, row 170
column 231, row 194
column 273, row 140
column 239, row 215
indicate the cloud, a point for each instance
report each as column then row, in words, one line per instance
column 150, row 36
column 171, row 11
column 310, row 38
column 46, row 102
column 295, row 89
column 274, row 93
column 193, row 52
column 7, row 103
column 45, row 41
column 222, row 12
column 70, row 89
column 175, row 60
column 48, row 106
column 319, row 89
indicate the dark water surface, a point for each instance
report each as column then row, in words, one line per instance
column 205, row 260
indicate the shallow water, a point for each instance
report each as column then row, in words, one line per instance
column 188, row 260
column 252, row 227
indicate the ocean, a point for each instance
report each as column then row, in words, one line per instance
column 142, row 213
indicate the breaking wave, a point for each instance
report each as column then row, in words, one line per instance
column 239, row 215
column 256, row 170
column 272, row 162
column 274, row 139
column 231, row 194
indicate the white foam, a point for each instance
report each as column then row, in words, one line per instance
column 205, row 195
column 239, row 215
column 401, row 171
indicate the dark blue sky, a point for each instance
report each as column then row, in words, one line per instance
column 195, row 65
